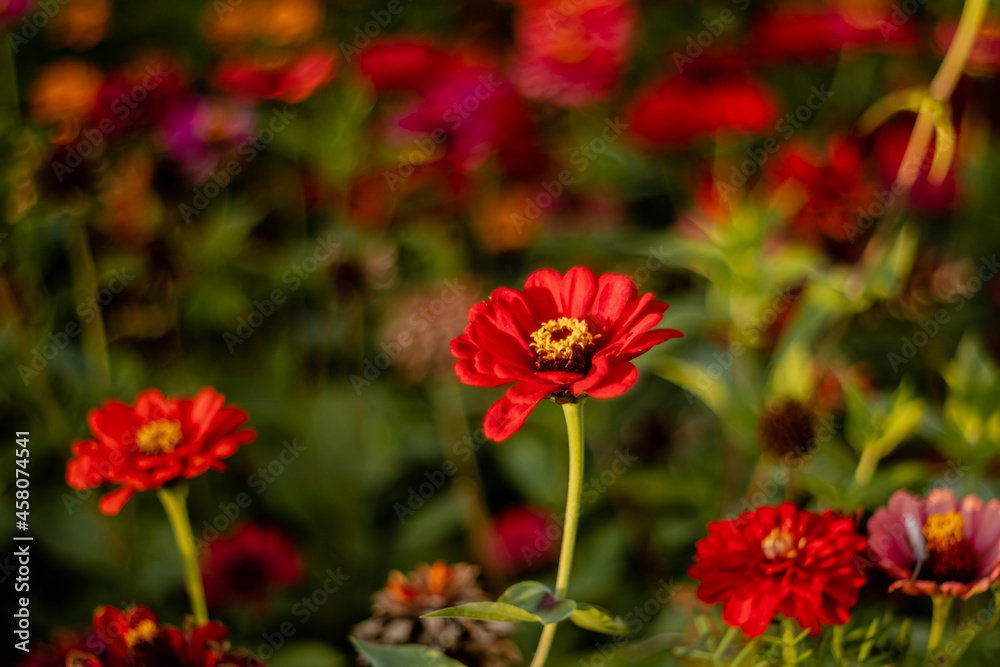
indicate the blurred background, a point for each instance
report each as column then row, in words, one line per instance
column 297, row 201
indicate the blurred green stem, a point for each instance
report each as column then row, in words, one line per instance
column 175, row 503
column 95, row 340
column 941, row 87
column 573, row 412
column 788, row 654
column 939, row 620
column 866, row 466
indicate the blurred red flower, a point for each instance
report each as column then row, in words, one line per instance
column 571, row 53
column 523, row 538
column 248, row 564
column 698, row 103
column 810, row 33
column 404, row 64
column 780, row 560
column 835, row 188
column 158, row 440
column 135, row 638
column 563, row 336
column 938, row 545
column 984, row 59
column 293, row 81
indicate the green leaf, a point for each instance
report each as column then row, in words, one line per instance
column 592, row 617
column 408, row 655
column 536, row 598
column 487, row 611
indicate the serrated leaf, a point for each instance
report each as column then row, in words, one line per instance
column 487, row 611
column 407, row 655
column 592, row 617
column 536, row 598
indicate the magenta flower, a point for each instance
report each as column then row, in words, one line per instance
column 199, row 131
column 937, row 546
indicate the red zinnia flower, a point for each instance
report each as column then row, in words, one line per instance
column 135, row 638
column 566, row 336
column 952, row 546
column 154, row 442
column 292, row 81
column 683, row 108
column 248, row 564
column 780, row 560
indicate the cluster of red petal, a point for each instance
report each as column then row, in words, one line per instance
column 692, row 105
column 495, row 348
column 209, row 432
column 135, row 638
column 249, row 564
column 293, row 82
column 816, row 582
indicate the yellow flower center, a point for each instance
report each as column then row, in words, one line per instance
column 158, row 437
column 944, row 531
column 145, row 631
column 780, row 542
column 563, row 344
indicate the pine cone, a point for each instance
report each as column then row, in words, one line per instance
column 397, row 609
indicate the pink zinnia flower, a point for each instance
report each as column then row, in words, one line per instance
column 572, row 53
column 937, row 545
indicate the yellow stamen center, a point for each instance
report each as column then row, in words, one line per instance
column 159, row 437
column 563, row 344
column 145, row 631
column 780, row 542
column 944, row 531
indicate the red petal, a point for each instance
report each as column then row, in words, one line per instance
column 507, row 415
column 578, row 290
column 112, row 503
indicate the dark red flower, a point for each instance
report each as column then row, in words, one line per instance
column 64, row 648
column 292, row 81
column 135, row 638
column 780, row 560
column 565, row 336
column 156, row 441
column 523, row 539
column 248, row 564
column 808, row 33
column 405, row 64
column 696, row 104
column 835, row 189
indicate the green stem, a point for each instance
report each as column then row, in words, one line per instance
column 788, row 653
column 942, row 609
column 866, row 466
column 95, row 340
column 175, row 503
column 574, row 427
